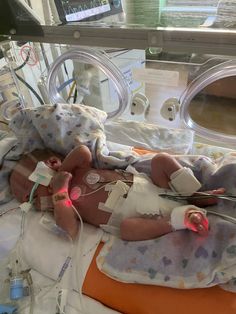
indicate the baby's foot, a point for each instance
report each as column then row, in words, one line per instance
column 197, row 221
column 207, row 201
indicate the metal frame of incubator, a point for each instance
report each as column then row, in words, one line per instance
column 212, row 41
column 19, row 24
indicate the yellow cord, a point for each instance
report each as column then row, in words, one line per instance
column 71, row 90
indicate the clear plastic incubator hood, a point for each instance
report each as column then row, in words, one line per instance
column 191, row 105
column 99, row 60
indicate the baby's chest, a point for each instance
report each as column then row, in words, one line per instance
column 90, row 186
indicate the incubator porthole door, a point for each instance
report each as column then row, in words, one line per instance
column 208, row 105
column 90, row 58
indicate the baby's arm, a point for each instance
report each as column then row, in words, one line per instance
column 64, row 211
column 79, row 157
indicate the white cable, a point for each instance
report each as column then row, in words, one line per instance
column 62, row 271
column 104, row 185
column 78, row 257
column 226, row 217
column 79, row 250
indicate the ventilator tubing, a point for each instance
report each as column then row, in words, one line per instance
column 184, row 182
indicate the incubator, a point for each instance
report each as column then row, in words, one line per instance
column 170, row 84
column 162, row 65
column 169, row 89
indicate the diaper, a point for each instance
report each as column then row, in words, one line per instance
column 140, row 200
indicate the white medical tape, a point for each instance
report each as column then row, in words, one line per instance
column 177, row 216
column 184, row 182
column 109, row 187
column 104, row 208
column 110, row 229
column 42, row 174
column 119, row 189
column 25, row 207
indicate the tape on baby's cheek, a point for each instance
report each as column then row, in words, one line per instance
column 46, row 203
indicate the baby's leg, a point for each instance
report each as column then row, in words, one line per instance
column 162, row 166
column 166, row 172
column 139, row 229
column 185, row 217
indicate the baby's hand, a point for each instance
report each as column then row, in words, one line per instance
column 196, row 221
column 54, row 163
column 60, row 182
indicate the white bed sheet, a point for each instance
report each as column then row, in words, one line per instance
column 41, row 274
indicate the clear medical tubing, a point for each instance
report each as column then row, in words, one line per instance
column 225, row 69
column 99, row 60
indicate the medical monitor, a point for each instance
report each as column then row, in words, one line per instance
column 86, row 10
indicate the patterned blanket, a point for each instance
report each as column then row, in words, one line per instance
column 182, row 259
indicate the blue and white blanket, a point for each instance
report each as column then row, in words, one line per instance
column 183, row 259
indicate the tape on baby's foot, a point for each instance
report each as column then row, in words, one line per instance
column 203, row 221
column 178, row 217
column 184, row 182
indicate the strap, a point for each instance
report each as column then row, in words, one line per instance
column 184, row 182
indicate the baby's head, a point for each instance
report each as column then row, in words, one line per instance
column 21, row 186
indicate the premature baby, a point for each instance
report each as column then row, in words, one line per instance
column 126, row 203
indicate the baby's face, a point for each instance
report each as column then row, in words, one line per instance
column 21, row 186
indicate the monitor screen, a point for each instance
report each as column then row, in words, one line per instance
column 86, row 10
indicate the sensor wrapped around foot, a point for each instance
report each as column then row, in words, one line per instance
column 184, row 182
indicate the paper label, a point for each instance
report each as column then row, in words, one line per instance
column 157, row 77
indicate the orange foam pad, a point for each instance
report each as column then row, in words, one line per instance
column 143, row 151
column 147, row 299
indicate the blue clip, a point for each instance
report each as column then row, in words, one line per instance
column 16, row 288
